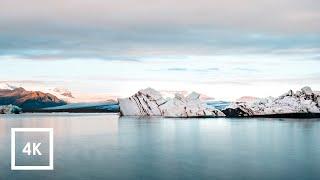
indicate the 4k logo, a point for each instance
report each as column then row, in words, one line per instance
column 30, row 144
column 35, row 149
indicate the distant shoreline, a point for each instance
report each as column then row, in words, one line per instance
column 283, row 115
column 70, row 111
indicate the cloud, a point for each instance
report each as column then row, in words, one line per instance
column 211, row 69
column 316, row 58
column 129, row 30
column 284, row 16
column 137, row 44
column 182, row 69
column 24, row 82
column 177, row 69
column 246, row 69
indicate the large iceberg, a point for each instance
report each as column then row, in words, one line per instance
column 303, row 101
column 145, row 102
column 149, row 102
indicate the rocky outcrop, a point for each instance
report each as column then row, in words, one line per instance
column 303, row 101
column 149, row 102
column 28, row 100
column 10, row 109
column 239, row 111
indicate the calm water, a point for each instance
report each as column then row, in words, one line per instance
column 104, row 146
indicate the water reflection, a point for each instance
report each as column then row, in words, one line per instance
column 64, row 124
column 100, row 146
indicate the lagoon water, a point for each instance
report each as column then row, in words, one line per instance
column 105, row 146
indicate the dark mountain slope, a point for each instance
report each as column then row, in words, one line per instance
column 28, row 100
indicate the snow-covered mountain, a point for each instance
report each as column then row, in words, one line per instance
column 7, row 86
column 61, row 93
column 64, row 94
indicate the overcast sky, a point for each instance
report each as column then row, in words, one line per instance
column 225, row 49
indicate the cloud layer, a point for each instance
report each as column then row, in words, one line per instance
column 220, row 48
column 131, row 29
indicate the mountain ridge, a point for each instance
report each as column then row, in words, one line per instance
column 28, row 100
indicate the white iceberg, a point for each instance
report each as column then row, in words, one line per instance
column 10, row 109
column 149, row 102
column 145, row 102
column 304, row 101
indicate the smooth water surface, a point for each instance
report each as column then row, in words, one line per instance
column 104, row 146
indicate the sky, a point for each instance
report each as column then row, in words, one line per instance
column 224, row 49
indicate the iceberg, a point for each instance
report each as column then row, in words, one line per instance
column 145, row 102
column 149, row 102
column 10, row 109
column 303, row 101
